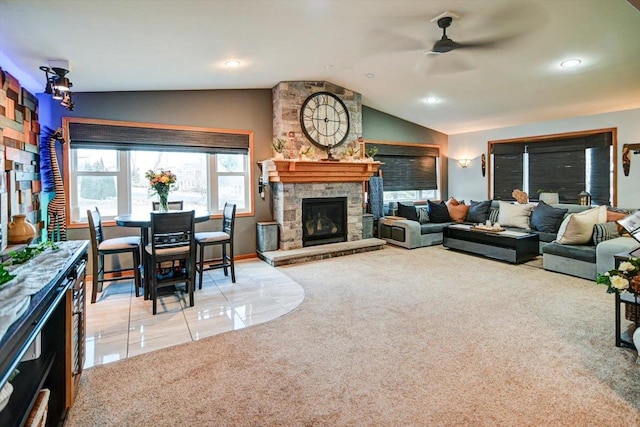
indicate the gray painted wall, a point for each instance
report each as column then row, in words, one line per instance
column 381, row 126
column 228, row 109
column 248, row 109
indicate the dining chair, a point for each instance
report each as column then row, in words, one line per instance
column 223, row 238
column 175, row 205
column 171, row 240
column 101, row 247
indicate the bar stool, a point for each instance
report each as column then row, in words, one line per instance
column 224, row 239
column 101, row 247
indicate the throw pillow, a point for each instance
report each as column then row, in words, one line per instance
column 511, row 215
column 606, row 231
column 453, row 202
column 407, row 211
column 458, row 212
column 493, row 215
column 438, row 212
column 613, row 215
column 479, row 212
column 577, row 228
column 546, row 218
column 423, row 215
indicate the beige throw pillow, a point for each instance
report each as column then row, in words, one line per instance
column 577, row 228
column 511, row 215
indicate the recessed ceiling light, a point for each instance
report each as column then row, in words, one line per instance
column 570, row 63
column 232, row 64
column 432, row 100
column 370, row 75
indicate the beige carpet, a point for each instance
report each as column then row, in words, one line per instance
column 426, row 337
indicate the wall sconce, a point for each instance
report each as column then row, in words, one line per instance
column 464, row 162
column 58, row 85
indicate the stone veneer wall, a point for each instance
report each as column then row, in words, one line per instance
column 287, row 208
column 288, row 98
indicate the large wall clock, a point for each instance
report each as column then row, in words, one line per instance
column 325, row 120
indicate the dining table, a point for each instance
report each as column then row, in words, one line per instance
column 142, row 220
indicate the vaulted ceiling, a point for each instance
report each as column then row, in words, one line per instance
column 375, row 47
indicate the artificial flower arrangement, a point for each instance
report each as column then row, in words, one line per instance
column 161, row 183
column 625, row 278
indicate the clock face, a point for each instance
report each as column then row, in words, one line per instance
column 324, row 119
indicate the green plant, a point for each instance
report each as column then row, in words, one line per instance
column 540, row 190
column 20, row 257
column 351, row 151
column 371, row 152
column 5, row 276
column 278, row 145
column 307, row 151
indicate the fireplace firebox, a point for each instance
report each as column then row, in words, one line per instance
column 324, row 220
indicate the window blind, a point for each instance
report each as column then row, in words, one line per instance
column 507, row 169
column 94, row 135
column 407, row 167
column 566, row 165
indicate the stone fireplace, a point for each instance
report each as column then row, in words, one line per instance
column 288, row 199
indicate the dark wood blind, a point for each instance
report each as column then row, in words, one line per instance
column 93, row 135
column 507, row 175
column 558, row 165
column 562, row 172
column 407, row 167
column 507, row 169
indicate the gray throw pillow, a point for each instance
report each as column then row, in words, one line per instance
column 479, row 212
column 546, row 218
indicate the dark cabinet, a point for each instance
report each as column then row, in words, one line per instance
column 54, row 324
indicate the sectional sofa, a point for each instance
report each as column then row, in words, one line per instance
column 563, row 253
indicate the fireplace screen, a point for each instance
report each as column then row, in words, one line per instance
column 324, row 220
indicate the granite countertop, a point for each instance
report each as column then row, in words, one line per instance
column 31, row 277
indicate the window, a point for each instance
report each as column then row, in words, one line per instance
column 111, row 175
column 409, row 171
column 567, row 165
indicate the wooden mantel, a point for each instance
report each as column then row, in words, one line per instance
column 289, row 171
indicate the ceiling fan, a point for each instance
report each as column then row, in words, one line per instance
column 445, row 44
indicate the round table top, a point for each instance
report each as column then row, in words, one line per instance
column 143, row 219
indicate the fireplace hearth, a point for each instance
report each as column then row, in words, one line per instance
column 324, row 220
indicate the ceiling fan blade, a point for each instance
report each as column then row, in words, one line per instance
column 634, row 3
column 447, row 64
column 379, row 42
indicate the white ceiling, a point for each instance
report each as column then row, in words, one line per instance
column 118, row 45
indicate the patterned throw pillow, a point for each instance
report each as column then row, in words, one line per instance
column 606, row 231
column 493, row 215
column 423, row 215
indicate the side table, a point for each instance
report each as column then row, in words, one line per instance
column 632, row 307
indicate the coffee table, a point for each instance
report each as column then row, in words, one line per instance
column 510, row 246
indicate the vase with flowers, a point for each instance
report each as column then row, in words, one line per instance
column 161, row 183
column 625, row 278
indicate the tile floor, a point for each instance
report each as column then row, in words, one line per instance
column 119, row 325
